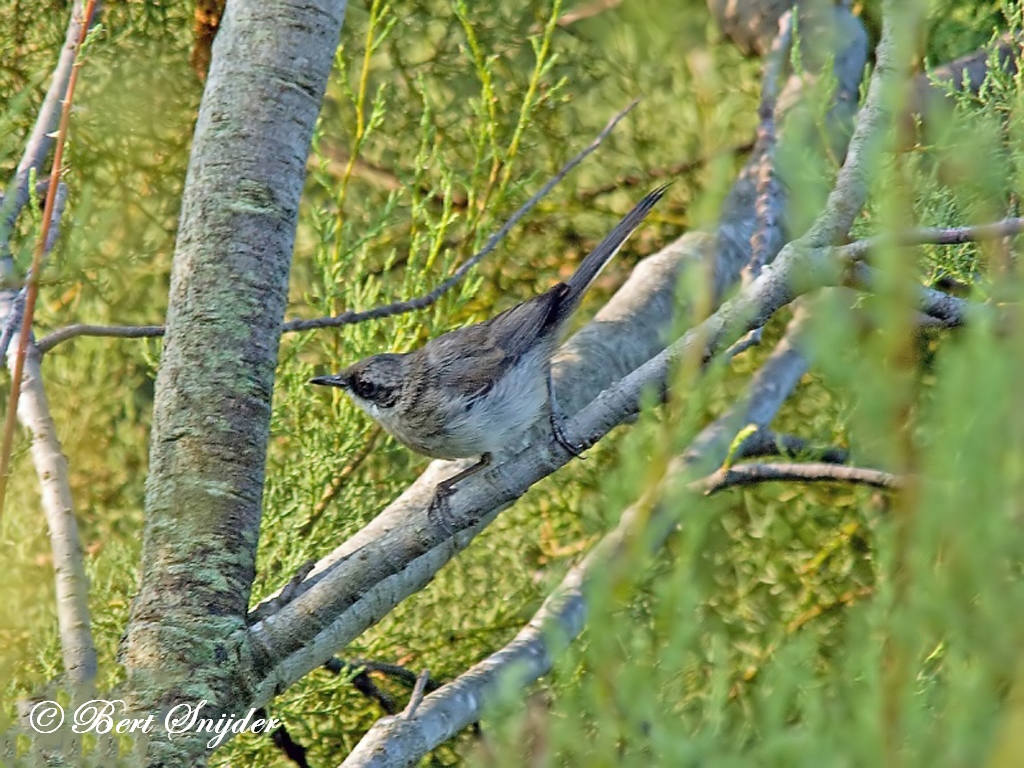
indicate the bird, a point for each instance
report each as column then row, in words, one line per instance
column 474, row 390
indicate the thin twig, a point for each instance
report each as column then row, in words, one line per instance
column 51, row 340
column 417, row 695
column 995, row 230
column 421, row 302
column 752, row 474
column 388, row 310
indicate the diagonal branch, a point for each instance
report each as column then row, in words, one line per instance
column 41, row 139
column 395, row 741
column 850, row 192
column 768, row 234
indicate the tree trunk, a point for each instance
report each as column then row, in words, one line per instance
column 211, row 420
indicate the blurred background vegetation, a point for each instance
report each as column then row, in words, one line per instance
column 765, row 634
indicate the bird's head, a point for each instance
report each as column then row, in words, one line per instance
column 374, row 383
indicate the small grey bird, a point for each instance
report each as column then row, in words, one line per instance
column 474, row 390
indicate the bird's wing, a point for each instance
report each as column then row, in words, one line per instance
column 469, row 360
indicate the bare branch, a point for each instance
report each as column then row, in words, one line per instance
column 875, row 117
column 417, row 695
column 72, row 583
column 768, row 235
column 51, row 340
column 752, row 474
column 995, row 230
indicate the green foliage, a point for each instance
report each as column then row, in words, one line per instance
column 786, row 625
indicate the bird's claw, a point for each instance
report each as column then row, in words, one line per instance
column 575, row 448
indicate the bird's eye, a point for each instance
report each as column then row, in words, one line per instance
column 364, row 388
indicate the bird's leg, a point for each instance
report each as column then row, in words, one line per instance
column 557, row 420
column 439, row 512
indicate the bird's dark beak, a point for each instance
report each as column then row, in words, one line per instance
column 329, row 381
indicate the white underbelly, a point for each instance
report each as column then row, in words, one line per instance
column 493, row 421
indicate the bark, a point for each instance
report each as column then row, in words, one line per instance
column 71, row 581
column 229, row 283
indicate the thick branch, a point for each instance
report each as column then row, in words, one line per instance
column 874, row 120
column 401, row 741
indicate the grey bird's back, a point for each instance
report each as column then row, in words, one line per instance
column 490, row 380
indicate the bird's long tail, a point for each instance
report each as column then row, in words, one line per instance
column 592, row 265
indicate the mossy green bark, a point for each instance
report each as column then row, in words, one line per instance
column 211, row 417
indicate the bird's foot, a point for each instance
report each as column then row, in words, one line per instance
column 558, row 431
column 440, row 512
